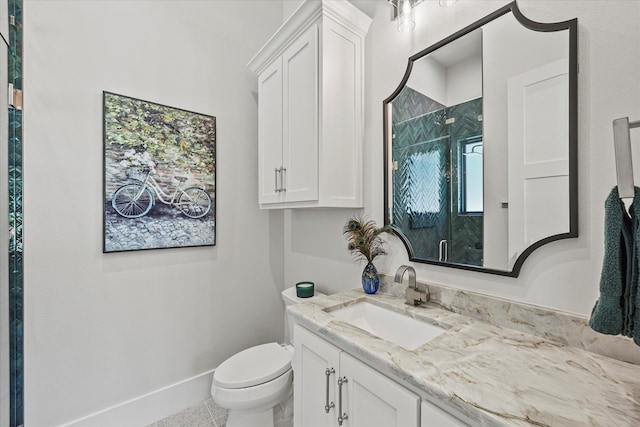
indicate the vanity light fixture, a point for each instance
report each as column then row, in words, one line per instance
column 406, row 16
column 402, row 11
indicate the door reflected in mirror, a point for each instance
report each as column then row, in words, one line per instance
column 480, row 144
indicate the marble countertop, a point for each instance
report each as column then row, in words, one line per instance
column 494, row 375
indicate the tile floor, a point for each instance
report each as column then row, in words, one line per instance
column 204, row 414
column 208, row 414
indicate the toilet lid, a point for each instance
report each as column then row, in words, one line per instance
column 253, row 366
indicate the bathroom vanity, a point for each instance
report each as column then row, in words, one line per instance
column 372, row 398
column 470, row 373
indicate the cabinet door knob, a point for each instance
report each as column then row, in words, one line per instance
column 328, row 405
column 344, row 416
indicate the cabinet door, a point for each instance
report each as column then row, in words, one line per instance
column 300, row 109
column 538, row 167
column 270, row 132
column 373, row 400
column 341, row 116
column 432, row 416
column 311, row 358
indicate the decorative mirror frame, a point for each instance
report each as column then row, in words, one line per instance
column 572, row 27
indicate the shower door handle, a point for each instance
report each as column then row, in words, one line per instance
column 328, row 405
column 443, row 249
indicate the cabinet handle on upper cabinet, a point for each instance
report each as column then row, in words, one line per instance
column 328, row 405
column 275, row 173
column 344, row 416
column 283, row 171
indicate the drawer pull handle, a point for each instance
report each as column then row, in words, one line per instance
column 328, row 405
column 344, row 415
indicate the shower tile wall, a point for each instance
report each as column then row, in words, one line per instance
column 428, row 211
column 410, row 104
column 15, row 221
column 418, row 125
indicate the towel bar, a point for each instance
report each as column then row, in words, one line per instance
column 624, row 162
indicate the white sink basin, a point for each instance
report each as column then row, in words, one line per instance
column 389, row 325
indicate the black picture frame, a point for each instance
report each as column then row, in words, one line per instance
column 159, row 170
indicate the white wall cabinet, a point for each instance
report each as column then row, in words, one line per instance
column 310, row 108
column 331, row 388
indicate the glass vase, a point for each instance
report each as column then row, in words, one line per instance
column 370, row 280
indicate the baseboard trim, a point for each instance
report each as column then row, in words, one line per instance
column 151, row 407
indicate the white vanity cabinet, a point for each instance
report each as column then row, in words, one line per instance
column 315, row 373
column 310, row 108
column 432, row 416
column 331, row 388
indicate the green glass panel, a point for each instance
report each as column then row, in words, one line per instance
column 16, row 290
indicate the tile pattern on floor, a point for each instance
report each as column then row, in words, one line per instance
column 208, row 414
column 204, row 414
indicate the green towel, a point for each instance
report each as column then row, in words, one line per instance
column 611, row 314
column 633, row 301
column 631, row 289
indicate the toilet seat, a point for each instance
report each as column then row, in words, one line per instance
column 256, row 398
column 253, row 366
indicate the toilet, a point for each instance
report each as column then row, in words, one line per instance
column 252, row 382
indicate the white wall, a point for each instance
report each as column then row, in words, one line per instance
column 429, row 77
column 464, row 80
column 562, row 275
column 289, row 6
column 451, row 85
column 104, row 328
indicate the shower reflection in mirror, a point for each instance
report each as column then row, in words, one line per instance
column 443, row 142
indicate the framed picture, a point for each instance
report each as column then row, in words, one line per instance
column 159, row 176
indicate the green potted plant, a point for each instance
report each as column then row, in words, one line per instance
column 365, row 244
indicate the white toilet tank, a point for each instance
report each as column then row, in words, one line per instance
column 289, row 297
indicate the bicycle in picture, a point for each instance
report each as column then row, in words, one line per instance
column 136, row 199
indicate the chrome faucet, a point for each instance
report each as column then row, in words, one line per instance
column 400, row 274
column 413, row 295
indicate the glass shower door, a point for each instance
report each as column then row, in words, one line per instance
column 422, row 205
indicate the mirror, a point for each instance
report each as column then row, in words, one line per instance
column 481, row 144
